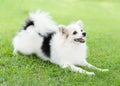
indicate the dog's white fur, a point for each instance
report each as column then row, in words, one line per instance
column 65, row 51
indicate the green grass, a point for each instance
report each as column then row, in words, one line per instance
column 102, row 24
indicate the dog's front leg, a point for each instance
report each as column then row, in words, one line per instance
column 77, row 69
column 93, row 67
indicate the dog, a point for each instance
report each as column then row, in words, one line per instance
column 61, row 45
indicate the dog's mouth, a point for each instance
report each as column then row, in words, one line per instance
column 81, row 40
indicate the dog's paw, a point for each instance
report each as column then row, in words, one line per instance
column 90, row 73
column 104, row 70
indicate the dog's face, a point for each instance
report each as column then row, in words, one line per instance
column 74, row 32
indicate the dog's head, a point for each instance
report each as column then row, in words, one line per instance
column 74, row 32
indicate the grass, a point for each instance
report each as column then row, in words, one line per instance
column 102, row 24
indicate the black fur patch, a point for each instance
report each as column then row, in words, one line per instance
column 46, row 44
column 27, row 24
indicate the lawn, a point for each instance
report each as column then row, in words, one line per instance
column 102, row 24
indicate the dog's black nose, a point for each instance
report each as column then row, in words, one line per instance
column 84, row 34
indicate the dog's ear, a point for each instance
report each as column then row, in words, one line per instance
column 80, row 23
column 62, row 29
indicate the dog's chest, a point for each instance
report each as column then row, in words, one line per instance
column 70, row 54
column 73, row 54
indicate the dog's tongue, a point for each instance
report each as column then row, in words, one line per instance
column 81, row 40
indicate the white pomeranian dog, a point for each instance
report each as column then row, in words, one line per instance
column 61, row 45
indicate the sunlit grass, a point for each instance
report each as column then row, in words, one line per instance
column 102, row 24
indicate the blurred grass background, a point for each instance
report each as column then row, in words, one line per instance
column 102, row 24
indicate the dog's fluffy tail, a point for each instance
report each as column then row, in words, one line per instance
column 43, row 22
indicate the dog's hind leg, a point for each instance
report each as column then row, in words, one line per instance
column 95, row 68
column 15, row 52
column 77, row 69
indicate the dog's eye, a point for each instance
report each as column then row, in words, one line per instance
column 75, row 32
column 81, row 30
